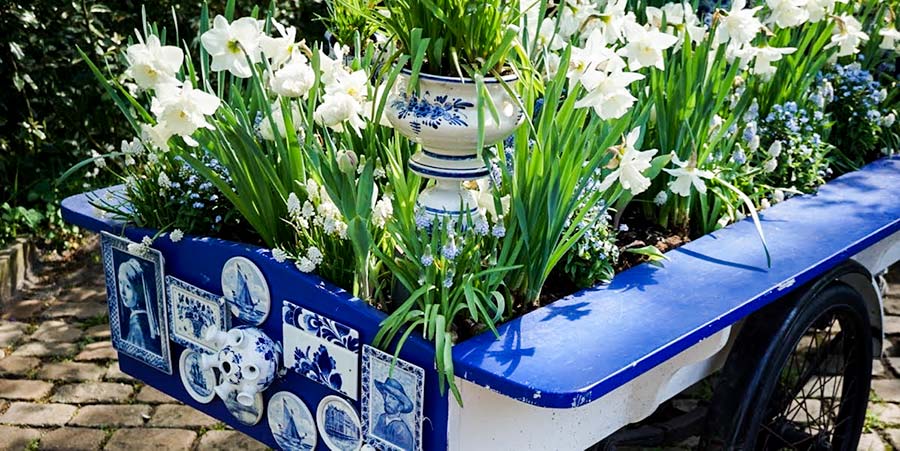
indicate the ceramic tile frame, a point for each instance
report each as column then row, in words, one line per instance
column 185, row 381
column 320, row 419
column 232, row 307
column 195, row 343
column 163, row 360
column 304, row 407
column 369, row 355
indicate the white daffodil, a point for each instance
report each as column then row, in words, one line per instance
column 265, row 127
column 182, row 110
column 847, row 35
column 631, row 163
column 613, row 21
column 283, row 48
column 743, row 53
column 595, row 56
column 644, row 48
column 819, row 9
column 608, row 93
column 354, row 84
column 573, row 16
column 340, row 108
column 680, row 19
column 765, row 56
column 687, row 175
column 152, row 64
column 889, row 38
column 294, row 79
column 548, row 37
column 787, row 13
column 231, row 45
column 739, row 25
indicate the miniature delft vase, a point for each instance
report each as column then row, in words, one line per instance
column 442, row 116
column 247, row 360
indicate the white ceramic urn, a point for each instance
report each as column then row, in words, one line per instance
column 442, row 116
column 247, row 361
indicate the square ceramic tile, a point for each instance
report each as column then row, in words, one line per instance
column 193, row 314
column 136, row 297
column 392, row 401
column 321, row 349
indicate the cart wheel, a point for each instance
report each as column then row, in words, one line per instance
column 797, row 377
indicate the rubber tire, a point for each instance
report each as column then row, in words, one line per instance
column 766, row 341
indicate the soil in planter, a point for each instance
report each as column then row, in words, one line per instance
column 642, row 232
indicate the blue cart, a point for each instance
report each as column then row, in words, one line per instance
column 792, row 344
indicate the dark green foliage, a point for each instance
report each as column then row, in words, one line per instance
column 52, row 111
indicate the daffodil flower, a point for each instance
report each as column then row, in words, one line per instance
column 231, row 45
column 686, row 175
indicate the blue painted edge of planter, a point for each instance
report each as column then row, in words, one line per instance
column 581, row 347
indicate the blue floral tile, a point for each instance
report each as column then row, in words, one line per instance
column 321, row 349
column 392, row 401
column 194, row 314
column 291, row 422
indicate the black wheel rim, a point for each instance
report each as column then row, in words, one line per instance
column 815, row 404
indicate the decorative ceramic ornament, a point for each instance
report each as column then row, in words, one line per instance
column 442, row 116
column 198, row 381
column 339, row 424
column 291, row 422
column 246, row 414
column 392, row 401
column 248, row 362
column 246, row 290
column 136, row 296
column 194, row 313
column 321, row 349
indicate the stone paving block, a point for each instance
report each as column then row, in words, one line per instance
column 22, row 310
column 870, row 442
column 17, row 438
column 78, row 294
column 891, row 325
column 18, row 366
column 98, row 332
column 111, row 415
column 151, row 439
column 151, row 395
column 92, row 392
column 114, row 373
column 173, row 415
column 886, row 412
column 82, row 310
column 24, row 389
column 10, row 337
column 878, row 370
column 71, row 371
column 101, row 350
column 72, row 439
column 887, row 389
column 892, row 303
column 31, row 414
column 57, row 332
column 38, row 349
column 893, row 436
column 227, row 441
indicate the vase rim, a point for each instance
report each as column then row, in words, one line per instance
column 460, row 80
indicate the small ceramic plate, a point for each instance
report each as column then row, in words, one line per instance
column 248, row 415
column 246, row 290
column 339, row 424
column 291, row 422
column 198, row 382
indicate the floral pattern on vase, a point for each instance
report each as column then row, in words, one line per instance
column 248, row 362
column 195, row 315
column 420, row 111
column 321, row 349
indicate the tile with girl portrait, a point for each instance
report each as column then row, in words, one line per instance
column 137, row 308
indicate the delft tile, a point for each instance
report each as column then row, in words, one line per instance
column 392, row 401
column 194, row 314
column 321, row 361
column 321, row 326
column 246, row 290
column 291, row 422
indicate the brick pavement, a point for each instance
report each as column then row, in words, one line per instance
column 61, row 388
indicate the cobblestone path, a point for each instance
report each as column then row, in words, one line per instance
column 61, row 388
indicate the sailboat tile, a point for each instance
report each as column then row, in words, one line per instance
column 246, row 290
column 198, row 382
column 193, row 313
column 320, row 359
column 291, row 422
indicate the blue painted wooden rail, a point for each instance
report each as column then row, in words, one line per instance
column 585, row 345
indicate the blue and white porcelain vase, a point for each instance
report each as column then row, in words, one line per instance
column 442, row 116
column 247, row 360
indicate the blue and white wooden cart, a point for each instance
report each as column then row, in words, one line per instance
column 782, row 339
